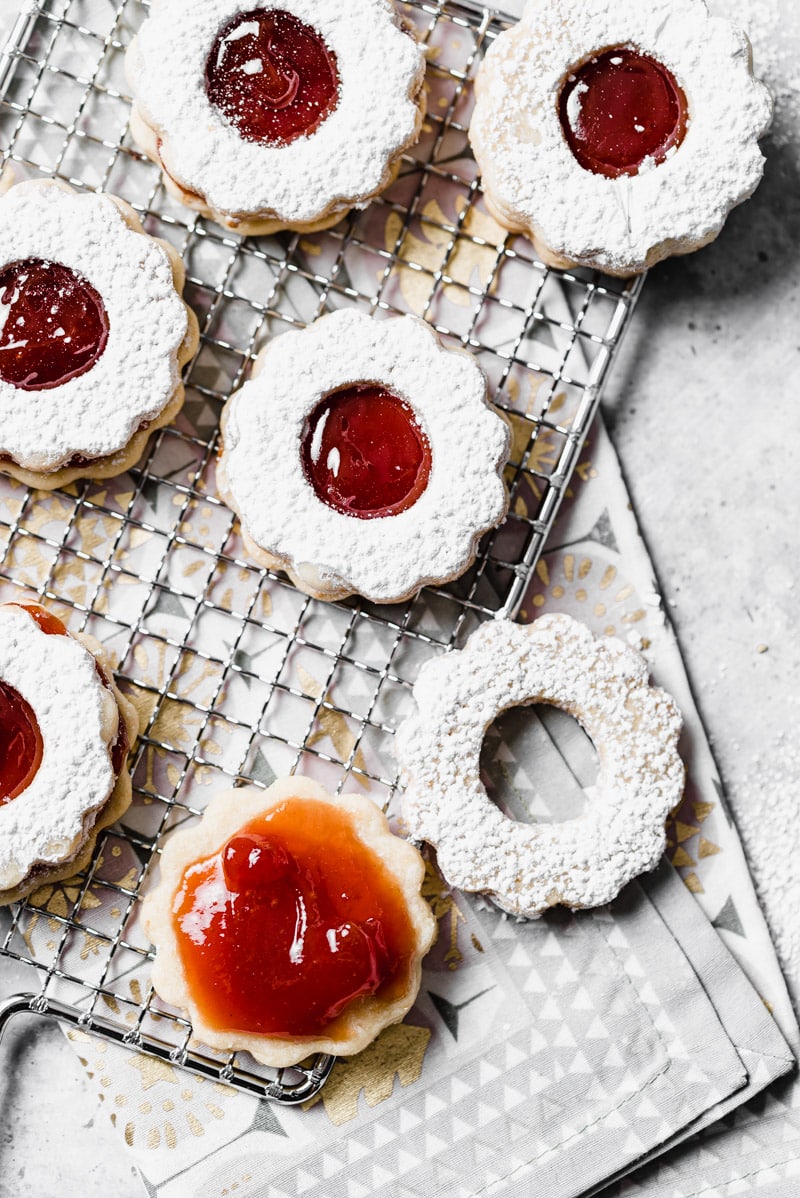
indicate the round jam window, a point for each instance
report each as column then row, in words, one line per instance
column 20, row 744
column 272, row 76
column 364, row 452
column 620, row 109
column 53, row 324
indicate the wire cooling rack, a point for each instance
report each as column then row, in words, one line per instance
column 236, row 675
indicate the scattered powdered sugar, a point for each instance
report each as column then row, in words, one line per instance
column 766, row 816
column 526, row 868
column 132, row 381
column 75, row 712
column 627, row 223
column 380, row 68
column 387, row 558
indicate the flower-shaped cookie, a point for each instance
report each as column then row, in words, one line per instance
column 364, row 457
column 65, row 732
column 526, row 868
column 281, row 115
column 289, row 922
column 615, row 135
column 93, row 334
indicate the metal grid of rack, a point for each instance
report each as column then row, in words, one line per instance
column 237, row 676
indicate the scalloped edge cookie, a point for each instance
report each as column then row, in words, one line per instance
column 533, row 183
column 73, row 857
column 165, row 66
column 112, row 464
column 602, row 682
column 327, row 554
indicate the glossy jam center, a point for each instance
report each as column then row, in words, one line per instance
column 364, row 453
column 292, row 921
column 619, row 109
column 20, row 738
column 272, row 76
column 20, row 744
column 53, row 324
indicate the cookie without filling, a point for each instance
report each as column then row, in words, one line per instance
column 603, row 683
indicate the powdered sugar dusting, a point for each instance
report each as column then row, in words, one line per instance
column 97, row 413
column 57, row 676
column 261, row 472
column 623, row 224
column 346, row 159
column 774, row 55
column 583, row 862
column 766, row 817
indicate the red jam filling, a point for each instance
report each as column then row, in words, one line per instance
column 53, row 324
column 20, row 738
column 291, row 922
column 20, row 744
column 51, row 625
column 272, row 76
column 621, row 108
column 364, row 453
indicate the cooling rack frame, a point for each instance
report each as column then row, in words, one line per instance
column 547, row 340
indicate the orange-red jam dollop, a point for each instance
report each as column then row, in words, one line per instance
column 53, row 324
column 621, row 108
column 272, row 76
column 294, row 920
column 364, row 453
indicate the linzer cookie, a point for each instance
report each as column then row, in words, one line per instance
column 278, row 115
column 65, row 733
column 526, row 868
column 363, row 457
column 93, row 335
column 288, row 922
column 615, row 133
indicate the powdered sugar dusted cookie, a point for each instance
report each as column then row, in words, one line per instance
column 618, row 132
column 364, row 457
column 288, row 922
column 93, row 334
column 65, row 733
column 526, row 868
column 279, row 114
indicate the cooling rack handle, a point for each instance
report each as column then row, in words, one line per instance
column 17, row 1004
column 290, row 1088
column 37, row 1004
